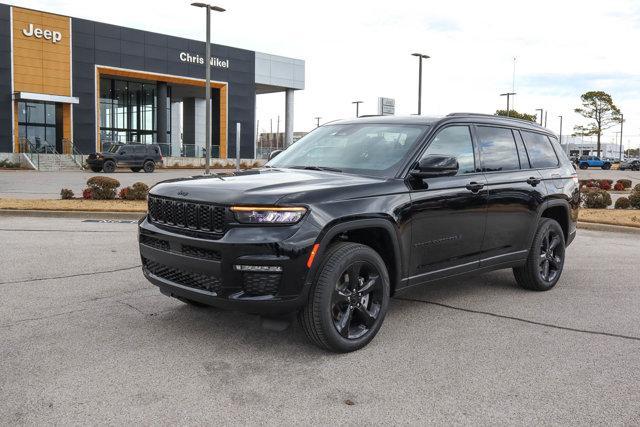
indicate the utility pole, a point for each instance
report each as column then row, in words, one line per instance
column 278, row 133
column 508, row 95
column 561, row 135
column 317, row 121
column 541, row 110
column 357, row 107
column 420, row 58
column 621, row 123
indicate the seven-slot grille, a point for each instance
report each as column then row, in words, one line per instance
column 191, row 215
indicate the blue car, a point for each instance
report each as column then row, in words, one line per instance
column 586, row 162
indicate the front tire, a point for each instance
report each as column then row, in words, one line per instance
column 109, row 166
column 584, row 166
column 606, row 166
column 349, row 299
column 544, row 264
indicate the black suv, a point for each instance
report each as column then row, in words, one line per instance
column 135, row 156
column 359, row 210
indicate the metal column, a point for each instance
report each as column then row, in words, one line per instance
column 288, row 118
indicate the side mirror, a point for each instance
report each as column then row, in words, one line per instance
column 274, row 153
column 435, row 165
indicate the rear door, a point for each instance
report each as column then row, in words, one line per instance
column 448, row 213
column 516, row 192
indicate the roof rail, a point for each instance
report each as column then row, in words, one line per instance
column 369, row 115
column 495, row 116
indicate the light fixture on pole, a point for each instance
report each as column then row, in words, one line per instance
column 317, row 119
column 357, row 107
column 420, row 58
column 541, row 111
column 207, row 74
column 508, row 95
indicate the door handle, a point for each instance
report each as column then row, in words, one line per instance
column 533, row 181
column 474, row 187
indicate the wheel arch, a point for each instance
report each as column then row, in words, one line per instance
column 380, row 234
column 560, row 211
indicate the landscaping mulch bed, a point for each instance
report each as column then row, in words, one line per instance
column 75, row 205
column 626, row 217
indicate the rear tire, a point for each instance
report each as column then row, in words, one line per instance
column 149, row 166
column 584, row 166
column 109, row 166
column 349, row 299
column 543, row 267
column 136, row 169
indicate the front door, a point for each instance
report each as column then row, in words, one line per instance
column 448, row 213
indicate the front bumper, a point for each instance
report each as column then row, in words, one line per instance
column 202, row 269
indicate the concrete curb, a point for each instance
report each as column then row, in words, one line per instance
column 70, row 214
column 596, row 226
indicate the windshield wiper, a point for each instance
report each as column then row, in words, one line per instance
column 317, row 168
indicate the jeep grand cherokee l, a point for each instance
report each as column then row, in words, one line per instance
column 359, row 210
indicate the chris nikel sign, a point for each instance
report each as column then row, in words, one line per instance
column 197, row 59
column 39, row 33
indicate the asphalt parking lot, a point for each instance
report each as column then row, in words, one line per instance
column 86, row 340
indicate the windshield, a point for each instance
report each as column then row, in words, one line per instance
column 367, row 148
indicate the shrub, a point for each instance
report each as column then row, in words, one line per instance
column 609, row 181
column 618, row 186
column 626, row 183
column 124, row 192
column 634, row 200
column 636, row 189
column 596, row 199
column 103, row 187
column 66, row 194
column 604, row 184
column 8, row 164
column 622, row 203
column 87, row 193
column 138, row 191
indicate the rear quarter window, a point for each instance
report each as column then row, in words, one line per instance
column 541, row 153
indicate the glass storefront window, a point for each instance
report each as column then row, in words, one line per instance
column 37, row 124
column 128, row 112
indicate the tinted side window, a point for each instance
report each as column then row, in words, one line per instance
column 540, row 150
column 497, row 149
column 454, row 141
column 522, row 153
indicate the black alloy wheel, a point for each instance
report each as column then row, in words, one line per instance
column 551, row 256
column 109, row 166
column 348, row 298
column 356, row 300
column 149, row 166
column 545, row 261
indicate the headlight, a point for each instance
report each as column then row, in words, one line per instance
column 268, row 215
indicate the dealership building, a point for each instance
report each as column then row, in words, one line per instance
column 71, row 84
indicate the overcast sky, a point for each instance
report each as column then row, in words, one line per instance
column 361, row 50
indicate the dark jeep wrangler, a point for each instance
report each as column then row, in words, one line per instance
column 360, row 210
column 137, row 157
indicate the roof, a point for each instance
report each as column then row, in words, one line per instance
column 452, row 117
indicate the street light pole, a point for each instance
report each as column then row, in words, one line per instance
column 207, row 77
column 621, row 123
column 420, row 57
column 357, row 107
column 541, row 111
column 508, row 95
column 561, row 135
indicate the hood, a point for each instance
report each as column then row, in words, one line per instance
column 261, row 187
